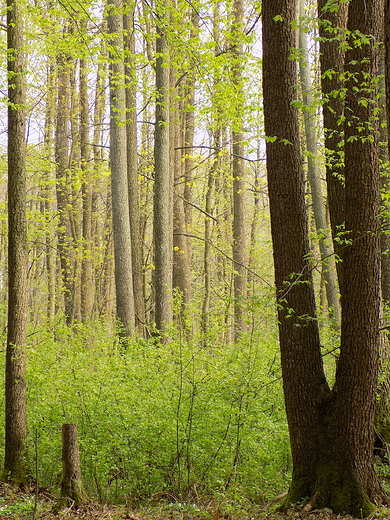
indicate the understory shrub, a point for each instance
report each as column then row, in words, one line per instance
column 176, row 421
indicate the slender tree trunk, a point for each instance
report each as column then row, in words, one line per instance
column 15, row 463
column 189, row 133
column 132, row 170
column 119, row 184
column 62, row 165
column 98, row 224
column 87, row 278
column 49, row 196
column 181, row 260
column 314, row 175
column 208, row 232
column 332, row 84
column 239, row 206
column 163, row 231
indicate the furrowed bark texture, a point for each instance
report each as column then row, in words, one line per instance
column 298, row 329
column 15, row 464
column 71, row 484
column 163, row 191
column 331, row 432
column 119, row 184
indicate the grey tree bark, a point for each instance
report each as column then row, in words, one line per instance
column 15, row 462
column 314, row 176
column 239, row 205
column 87, row 275
column 65, row 239
column 132, row 169
column 118, row 163
column 163, row 190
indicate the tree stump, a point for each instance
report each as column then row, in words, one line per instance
column 71, row 484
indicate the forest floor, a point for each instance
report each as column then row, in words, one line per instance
column 27, row 506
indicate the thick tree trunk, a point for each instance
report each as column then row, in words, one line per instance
column 385, row 273
column 331, row 432
column 298, row 329
column 71, row 484
column 15, row 463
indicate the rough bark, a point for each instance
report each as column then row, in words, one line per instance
column 331, row 432
column 181, row 260
column 385, row 273
column 15, row 463
column 62, row 190
column 119, row 185
column 239, row 205
column 72, row 490
column 132, row 169
column 298, row 329
column 163, row 202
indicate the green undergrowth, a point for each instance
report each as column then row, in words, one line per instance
column 177, row 422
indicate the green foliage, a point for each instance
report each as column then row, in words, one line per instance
column 154, row 420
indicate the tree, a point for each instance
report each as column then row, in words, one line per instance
column 239, row 220
column 314, row 177
column 132, row 165
column 65, row 240
column 163, row 191
column 118, row 163
column 332, row 24
column 331, row 431
column 87, row 278
column 15, row 463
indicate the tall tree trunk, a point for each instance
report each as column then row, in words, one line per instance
column 314, row 175
column 119, row 185
column 354, row 393
column 298, row 329
column 163, row 202
column 208, row 231
column 87, row 278
column 385, row 272
column 62, row 165
column 330, row 431
column 49, row 196
column 132, row 169
column 98, row 225
column 239, row 220
column 15, row 463
column 181, row 260
column 332, row 84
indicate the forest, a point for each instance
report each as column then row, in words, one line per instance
column 195, row 259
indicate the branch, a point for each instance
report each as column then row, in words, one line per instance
column 225, row 255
